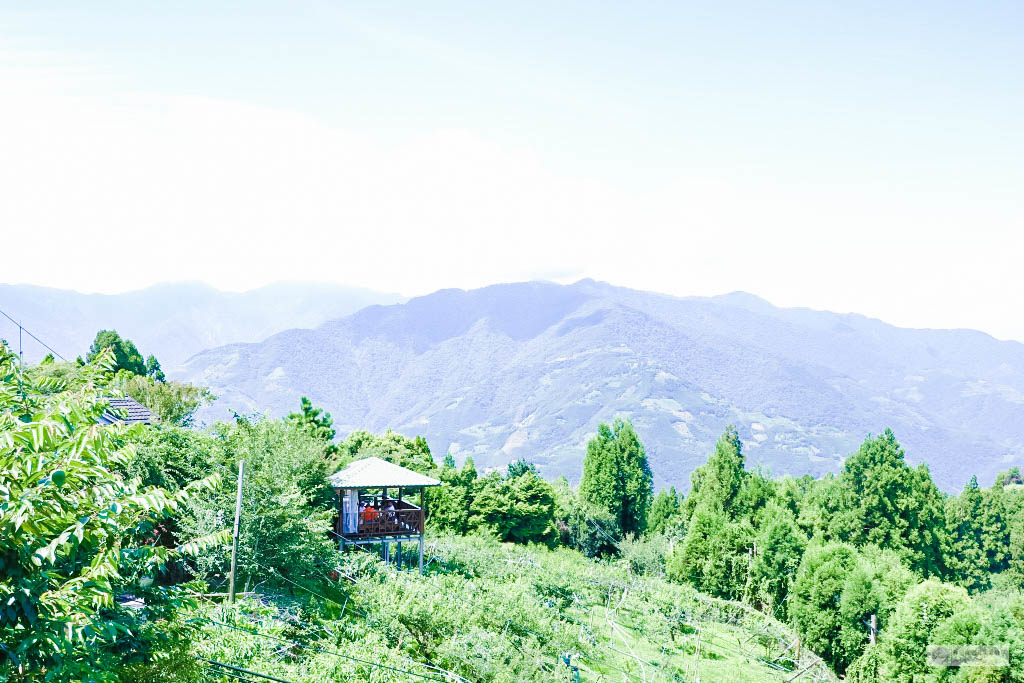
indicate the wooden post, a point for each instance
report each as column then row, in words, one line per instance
column 874, row 628
column 398, row 557
column 234, row 539
column 421, row 553
column 798, row 649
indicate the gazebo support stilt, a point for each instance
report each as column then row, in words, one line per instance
column 421, row 553
column 398, row 557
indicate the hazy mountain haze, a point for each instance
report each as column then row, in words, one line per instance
column 529, row 369
column 173, row 320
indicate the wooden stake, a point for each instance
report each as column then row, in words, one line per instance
column 234, row 539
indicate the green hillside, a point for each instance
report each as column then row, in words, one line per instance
column 491, row 611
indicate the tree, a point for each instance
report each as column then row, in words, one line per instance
column 922, row 610
column 174, row 403
column 74, row 532
column 778, row 549
column 882, row 501
column 519, row 508
column 814, row 603
column 126, row 356
column 518, row 468
column 413, row 454
column 317, row 423
column 450, row 503
column 664, row 510
column 721, row 480
column 978, row 536
column 875, row 586
column 153, row 369
column 616, row 476
column 715, row 555
column 287, row 507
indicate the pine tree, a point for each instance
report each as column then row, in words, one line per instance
column 317, row 423
column 664, row 510
column 720, row 481
column 616, row 476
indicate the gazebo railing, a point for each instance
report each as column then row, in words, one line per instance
column 372, row 522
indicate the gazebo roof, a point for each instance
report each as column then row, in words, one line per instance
column 373, row 473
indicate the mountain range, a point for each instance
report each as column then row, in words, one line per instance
column 529, row 370
column 172, row 321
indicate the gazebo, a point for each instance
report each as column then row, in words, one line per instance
column 367, row 514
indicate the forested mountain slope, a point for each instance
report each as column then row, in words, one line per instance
column 529, row 369
column 172, row 321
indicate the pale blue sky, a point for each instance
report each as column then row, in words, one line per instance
column 857, row 156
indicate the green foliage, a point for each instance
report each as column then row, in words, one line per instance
column 922, row 610
column 175, row 403
column 992, row 619
column 814, row 603
column 126, row 355
column 664, row 511
column 720, row 480
column 153, row 369
column 515, row 508
column 287, row 508
column 978, row 541
column 778, row 548
column 715, row 556
column 413, row 454
column 318, row 423
column 879, row 500
column 74, row 531
column 616, row 476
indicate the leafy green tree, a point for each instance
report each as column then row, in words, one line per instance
column 318, row 423
column 978, row 536
column 174, row 403
column 924, row 607
column 814, row 603
column 153, row 369
column 450, row 503
column 778, row 549
column 413, row 454
column 126, row 355
column 881, row 501
column 874, row 587
column 664, row 510
column 616, row 476
column 287, row 507
column 519, row 508
column 592, row 530
column 994, row 618
column 715, row 556
column 518, row 468
column 721, row 480
column 74, row 532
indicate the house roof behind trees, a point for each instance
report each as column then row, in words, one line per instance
column 128, row 411
column 374, row 473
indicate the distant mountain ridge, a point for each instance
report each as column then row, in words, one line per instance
column 173, row 320
column 529, row 369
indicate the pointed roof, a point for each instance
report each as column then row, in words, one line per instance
column 373, row 473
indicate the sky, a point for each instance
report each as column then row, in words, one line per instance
column 856, row 157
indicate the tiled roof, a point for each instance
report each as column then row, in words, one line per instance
column 127, row 410
column 376, row 473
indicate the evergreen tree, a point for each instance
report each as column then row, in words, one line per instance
column 126, row 355
column 814, row 603
column 664, row 510
column 616, row 476
column 881, row 501
column 317, row 423
column 153, row 369
column 778, row 548
column 978, row 538
column 721, row 480
column 715, row 555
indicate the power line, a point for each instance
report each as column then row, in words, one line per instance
column 22, row 328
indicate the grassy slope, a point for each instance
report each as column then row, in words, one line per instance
column 490, row 611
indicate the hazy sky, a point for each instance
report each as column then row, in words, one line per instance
column 860, row 157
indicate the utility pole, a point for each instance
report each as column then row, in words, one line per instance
column 234, row 538
column 874, row 628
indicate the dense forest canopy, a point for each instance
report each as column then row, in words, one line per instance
column 89, row 513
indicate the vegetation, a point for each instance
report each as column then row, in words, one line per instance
column 526, row 579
